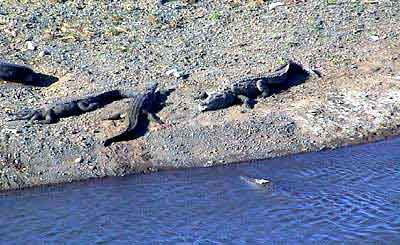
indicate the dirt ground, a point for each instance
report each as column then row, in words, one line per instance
column 94, row 46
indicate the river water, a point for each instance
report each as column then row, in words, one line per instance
column 351, row 194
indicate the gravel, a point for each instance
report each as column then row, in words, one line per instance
column 93, row 46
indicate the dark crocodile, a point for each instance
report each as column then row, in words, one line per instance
column 16, row 73
column 53, row 112
column 247, row 89
column 145, row 103
column 24, row 75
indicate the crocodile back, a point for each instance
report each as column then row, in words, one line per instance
column 150, row 97
column 134, row 110
column 15, row 73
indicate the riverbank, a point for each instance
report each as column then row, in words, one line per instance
column 95, row 47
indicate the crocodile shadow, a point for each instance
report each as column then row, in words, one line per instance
column 297, row 75
column 42, row 80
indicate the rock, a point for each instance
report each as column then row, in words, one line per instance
column 273, row 6
column 30, row 45
column 4, row 19
column 175, row 72
column 78, row 160
column 44, row 52
column 374, row 38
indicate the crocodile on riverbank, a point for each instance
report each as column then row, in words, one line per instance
column 24, row 74
column 16, row 73
column 147, row 104
column 53, row 112
column 246, row 90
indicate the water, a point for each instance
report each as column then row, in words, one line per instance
column 351, row 194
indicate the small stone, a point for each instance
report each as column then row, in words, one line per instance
column 80, row 4
column 272, row 6
column 30, row 45
column 175, row 72
column 209, row 163
column 78, row 160
column 44, row 52
column 353, row 66
column 374, row 38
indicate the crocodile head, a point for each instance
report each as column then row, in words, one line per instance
column 217, row 100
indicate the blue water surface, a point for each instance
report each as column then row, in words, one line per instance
column 346, row 195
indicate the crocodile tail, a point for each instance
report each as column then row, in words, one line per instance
column 108, row 142
column 117, row 138
column 22, row 115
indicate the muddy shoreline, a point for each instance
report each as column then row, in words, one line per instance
column 357, row 99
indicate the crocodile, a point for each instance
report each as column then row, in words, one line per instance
column 247, row 89
column 24, row 75
column 146, row 103
column 16, row 73
column 258, row 182
column 53, row 112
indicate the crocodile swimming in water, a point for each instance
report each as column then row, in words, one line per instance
column 259, row 182
column 249, row 88
column 147, row 104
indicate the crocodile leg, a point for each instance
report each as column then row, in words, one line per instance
column 84, row 106
column 263, row 87
column 265, row 94
column 152, row 117
column 28, row 115
column 117, row 115
column 25, row 115
column 35, row 116
column 49, row 117
column 248, row 102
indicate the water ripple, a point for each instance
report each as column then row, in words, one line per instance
column 352, row 194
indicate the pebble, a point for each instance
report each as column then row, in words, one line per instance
column 44, row 52
column 78, row 160
column 374, row 38
column 175, row 72
column 272, row 6
column 30, row 45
